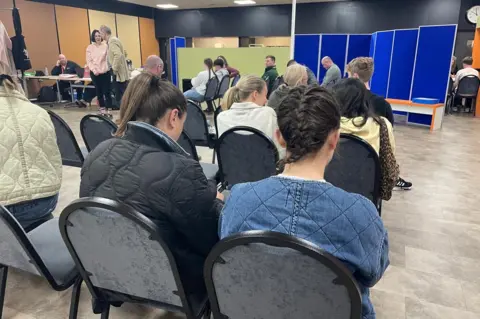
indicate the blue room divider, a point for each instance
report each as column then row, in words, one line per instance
column 402, row 64
column 175, row 43
column 307, row 50
column 382, row 58
column 432, row 67
column 358, row 45
column 334, row 46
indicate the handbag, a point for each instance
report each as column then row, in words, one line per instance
column 388, row 164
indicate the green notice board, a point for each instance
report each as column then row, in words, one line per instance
column 246, row 60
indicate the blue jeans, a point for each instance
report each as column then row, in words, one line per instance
column 34, row 213
column 193, row 95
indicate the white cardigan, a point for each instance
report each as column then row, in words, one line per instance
column 199, row 82
column 250, row 114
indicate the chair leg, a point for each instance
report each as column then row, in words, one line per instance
column 105, row 313
column 77, row 288
column 3, row 285
column 214, row 157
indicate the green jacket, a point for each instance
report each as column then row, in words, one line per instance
column 270, row 75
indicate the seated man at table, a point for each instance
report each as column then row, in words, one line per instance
column 65, row 67
column 467, row 70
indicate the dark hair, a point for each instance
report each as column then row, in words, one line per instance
column 219, row 62
column 92, row 38
column 208, row 62
column 271, row 57
column 224, row 60
column 351, row 94
column 291, row 62
column 468, row 60
column 306, row 116
column 147, row 99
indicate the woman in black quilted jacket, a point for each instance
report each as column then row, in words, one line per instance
column 144, row 167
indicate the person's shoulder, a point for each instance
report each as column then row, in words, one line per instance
column 252, row 188
column 265, row 110
column 352, row 201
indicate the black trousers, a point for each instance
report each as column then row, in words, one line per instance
column 120, row 88
column 102, row 87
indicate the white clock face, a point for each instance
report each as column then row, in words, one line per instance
column 473, row 13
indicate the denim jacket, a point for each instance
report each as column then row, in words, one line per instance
column 343, row 224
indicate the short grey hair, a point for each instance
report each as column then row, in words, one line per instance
column 327, row 58
column 106, row 29
column 153, row 61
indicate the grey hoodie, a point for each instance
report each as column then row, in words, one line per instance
column 277, row 96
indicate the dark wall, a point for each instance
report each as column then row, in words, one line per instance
column 106, row 5
column 361, row 16
column 224, row 22
column 466, row 31
column 368, row 16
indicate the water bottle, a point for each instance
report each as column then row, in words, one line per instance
column 46, row 71
column 74, row 95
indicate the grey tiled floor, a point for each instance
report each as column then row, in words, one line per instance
column 434, row 234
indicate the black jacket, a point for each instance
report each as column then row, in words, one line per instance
column 70, row 68
column 149, row 172
column 379, row 106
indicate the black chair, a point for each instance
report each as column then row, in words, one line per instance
column 95, row 129
column 122, row 257
column 210, row 170
column 235, row 80
column 355, row 168
column 196, row 127
column 41, row 252
column 223, row 86
column 215, row 119
column 71, row 153
column 467, row 89
column 245, row 154
column 211, row 92
column 270, row 275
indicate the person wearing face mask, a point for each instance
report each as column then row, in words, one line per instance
column 143, row 167
column 244, row 105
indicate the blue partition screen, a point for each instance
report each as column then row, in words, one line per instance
column 334, row 46
column 175, row 43
column 358, row 45
column 403, row 60
column 307, row 48
column 432, row 67
column 373, row 41
column 382, row 58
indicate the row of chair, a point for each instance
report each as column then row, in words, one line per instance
column 121, row 256
column 216, row 88
column 355, row 166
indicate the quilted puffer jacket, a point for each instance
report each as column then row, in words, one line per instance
column 30, row 162
column 343, row 224
column 151, row 173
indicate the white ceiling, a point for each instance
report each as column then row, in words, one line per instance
column 194, row 4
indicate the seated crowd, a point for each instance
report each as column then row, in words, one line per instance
column 143, row 167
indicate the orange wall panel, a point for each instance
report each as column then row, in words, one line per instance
column 73, row 32
column 148, row 41
column 6, row 16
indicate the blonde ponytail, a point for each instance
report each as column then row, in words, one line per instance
column 244, row 88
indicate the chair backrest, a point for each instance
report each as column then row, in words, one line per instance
column 212, row 89
column 69, row 149
column 196, row 125
column 355, row 168
column 17, row 251
column 235, row 80
column 118, row 249
column 95, row 129
column 468, row 86
column 186, row 143
column 223, row 86
column 262, row 274
column 217, row 112
column 245, row 154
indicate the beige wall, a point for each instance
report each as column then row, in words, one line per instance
column 273, row 41
column 215, row 42
column 148, row 41
column 98, row 18
column 129, row 34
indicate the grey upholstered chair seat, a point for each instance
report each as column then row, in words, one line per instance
column 49, row 244
column 210, row 170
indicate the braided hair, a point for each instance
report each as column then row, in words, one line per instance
column 306, row 117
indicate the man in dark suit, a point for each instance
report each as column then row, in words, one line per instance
column 66, row 67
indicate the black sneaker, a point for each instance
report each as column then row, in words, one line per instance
column 403, row 185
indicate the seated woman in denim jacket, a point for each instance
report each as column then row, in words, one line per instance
column 301, row 203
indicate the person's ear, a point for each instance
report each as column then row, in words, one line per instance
column 255, row 95
column 333, row 139
column 173, row 118
column 280, row 139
